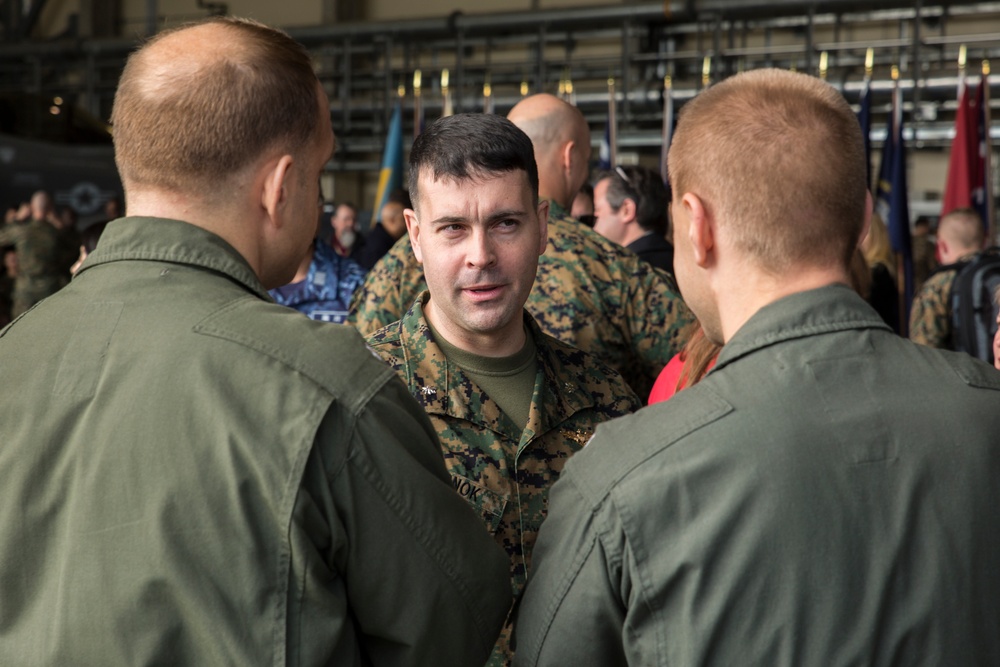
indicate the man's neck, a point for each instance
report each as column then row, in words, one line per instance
column 741, row 296
column 500, row 343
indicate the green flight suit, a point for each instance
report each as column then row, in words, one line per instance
column 589, row 292
column 194, row 475
column 826, row 496
column 504, row 470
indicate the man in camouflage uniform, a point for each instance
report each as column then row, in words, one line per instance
column 960, row 236
column 510, row 403
column 40, row 255
column 589, row 292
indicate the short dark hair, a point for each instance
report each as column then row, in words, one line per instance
column 468, row 145
column 644, row 187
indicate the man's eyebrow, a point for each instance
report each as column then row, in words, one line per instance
column 491, row 218
column 449, row 219
column 506, row 213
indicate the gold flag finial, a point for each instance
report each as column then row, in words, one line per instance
column 895, row 73
column 706, row 71
column 986, row 68
column 962, row 54
column 823, row 61
column 667, row 82
column 444, row 79
column 417, row 76
column 525, row 89
column 869, row 62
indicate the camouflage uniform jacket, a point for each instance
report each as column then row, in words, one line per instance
column 505, row 472
column 589, row 292
column 40, row 253
column 930, row 316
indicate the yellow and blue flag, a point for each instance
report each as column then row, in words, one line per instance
column 391, row 176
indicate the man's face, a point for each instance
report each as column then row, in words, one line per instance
column 996, row 346
column 478, row 240
column 41, row 206
column 607, row 221
column 10, row 262
column 393, row 220
column 345, row 218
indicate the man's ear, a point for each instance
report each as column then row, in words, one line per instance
column 274, row 195
column 627, row 211
column 413, row 229
column 543, row 224
column 567, row 157
column 700, row 232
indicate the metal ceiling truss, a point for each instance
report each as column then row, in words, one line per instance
column 364, row 64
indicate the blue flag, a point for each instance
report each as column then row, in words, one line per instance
column 604, row 153
column 865, row 119
column 893, row 207
column 391, row 176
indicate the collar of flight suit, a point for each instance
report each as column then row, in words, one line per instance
column 165, row 240
column 826, row 309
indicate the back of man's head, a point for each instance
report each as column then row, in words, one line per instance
column 470, row 146
column 779, row 160
column 553, row 125
column 200, row 103
column 644, row 187
column 960, row 233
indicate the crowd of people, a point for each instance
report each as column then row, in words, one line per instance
column 447, row 460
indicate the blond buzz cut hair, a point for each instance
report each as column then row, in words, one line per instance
column 963, row 228
column 778, row 160
column 187, row 119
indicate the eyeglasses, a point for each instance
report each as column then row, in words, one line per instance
column 624, row 177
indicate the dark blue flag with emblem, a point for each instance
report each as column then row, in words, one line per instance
column 891, row 204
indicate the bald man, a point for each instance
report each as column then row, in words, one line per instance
column 589, row 292
column 191, row 474
column 960, row 236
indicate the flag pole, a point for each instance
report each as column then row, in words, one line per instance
column 447, row 108
column 988, row 158
column 897, row 135
column 668, row 125
column 487, row 95
column 612, row 124
column 418, row 110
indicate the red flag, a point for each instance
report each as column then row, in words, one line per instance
column 963, row 167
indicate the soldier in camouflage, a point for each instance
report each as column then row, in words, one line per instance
column 510, row 403
column 960, row 236
column 40, row 255
column 589, row 292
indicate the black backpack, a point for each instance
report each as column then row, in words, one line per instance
column 973, row 304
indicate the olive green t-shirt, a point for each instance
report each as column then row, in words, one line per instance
column 510, row 381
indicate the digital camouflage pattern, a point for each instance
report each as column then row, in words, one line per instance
column 40, row 259
column 503, row 472
column 930, row 316
column 589, row 292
